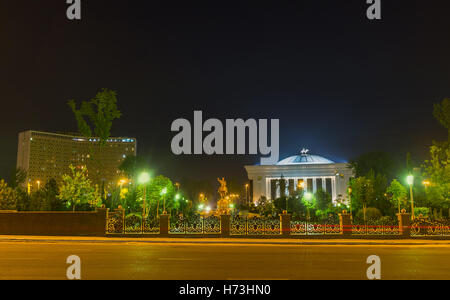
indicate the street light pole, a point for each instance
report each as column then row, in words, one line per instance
column 143, row 179
column 164, row 192
column 410, row 180
column 246, row 197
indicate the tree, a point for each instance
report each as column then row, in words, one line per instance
column 52, row 201
column 76, row 189
column 8, row 197
column 17, row 178
column 309, row 201
column 441, row 112
column 265, row 207
column 437, row 170
column 282, row 183
column 378, row 162
column 132, row 165
column 155, row 192
column 362, row 192
column 323, row 200
column 101, row 111
column 398, row 193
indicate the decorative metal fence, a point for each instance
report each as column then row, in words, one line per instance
column 329, row 226
column 384, row 226
column 196, row 225
column 131, row 224
column 255, row 226
column 425, row 227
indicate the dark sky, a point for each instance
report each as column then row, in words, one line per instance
column 339, row 83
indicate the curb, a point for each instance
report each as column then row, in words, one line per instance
column 230, row 241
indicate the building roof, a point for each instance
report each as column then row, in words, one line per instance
column 305, row 159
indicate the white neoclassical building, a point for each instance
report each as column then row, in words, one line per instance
column 305, row 171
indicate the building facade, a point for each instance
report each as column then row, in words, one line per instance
column 46, row 155
column 305, row 171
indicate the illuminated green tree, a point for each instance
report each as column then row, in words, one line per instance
column 437, row 168
column 362, row 193
column 158, row 189
column 76, row 189
column 8, row 197
column 437, row 171
column 398, row 193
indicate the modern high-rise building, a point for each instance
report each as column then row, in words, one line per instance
column 46, row 155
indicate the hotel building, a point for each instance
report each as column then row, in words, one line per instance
column 46, row 155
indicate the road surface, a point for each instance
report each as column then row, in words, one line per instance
column 235, row 260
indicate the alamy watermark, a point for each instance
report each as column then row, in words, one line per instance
column 235, row 137
column 74, row 270
column 73, row 11
column 374, row 270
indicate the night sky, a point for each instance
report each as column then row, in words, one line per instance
column 340, row 84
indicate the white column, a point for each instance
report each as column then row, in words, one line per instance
column 333, row 188
column 314, row 185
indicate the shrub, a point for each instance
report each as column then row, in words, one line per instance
column 371, row 213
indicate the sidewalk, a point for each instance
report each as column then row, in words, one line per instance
column 243, row 241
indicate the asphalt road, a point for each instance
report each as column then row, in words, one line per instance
column 137, row 260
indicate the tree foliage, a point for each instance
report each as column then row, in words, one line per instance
column 377, row 162
column 100, row 111
column 398, row 194
column 17, row 178
column 76, row 189
column 323, row 200
column 8, row 196
column 437, row 170
column 362, row 192
column 441, row 112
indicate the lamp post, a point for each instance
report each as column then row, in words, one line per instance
column 350, row 201
column 410, row 181
column 38, row 184
column 143, row 179
column 246, row 197
column 163, row 193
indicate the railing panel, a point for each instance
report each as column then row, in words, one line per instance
column 211, row 225
column 424, row 227
column 238, row 226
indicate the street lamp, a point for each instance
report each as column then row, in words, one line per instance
column 410, row 181
column 39, row 184
column 122, row 182
column 143, row 179
column 246, row 196
column 350, row 200
column 426, row 183
column 163, row 193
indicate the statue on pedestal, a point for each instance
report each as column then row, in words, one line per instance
column 223, row 205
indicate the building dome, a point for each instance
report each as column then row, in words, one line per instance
column 305, row 159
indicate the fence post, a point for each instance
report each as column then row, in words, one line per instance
column 285, row 220
column 345, row 223
column 225, row 224
column 164, row 225
column 404, row 223
column 102, row 214
column 121, row 212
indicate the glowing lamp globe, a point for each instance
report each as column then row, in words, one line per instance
column 144, row 178
column 410, row 179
